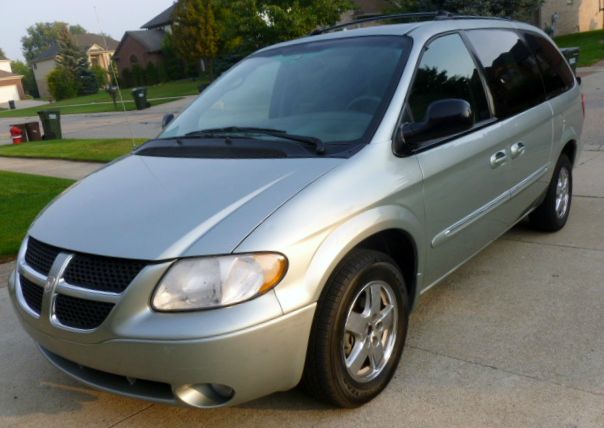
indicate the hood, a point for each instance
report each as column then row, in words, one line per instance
column 155, row 208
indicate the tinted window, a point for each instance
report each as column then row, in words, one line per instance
column 511, row 70
column 557, row 76
column 335, row 90
column 446, row 70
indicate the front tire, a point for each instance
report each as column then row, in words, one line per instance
column 553, row 212
column 359, row 331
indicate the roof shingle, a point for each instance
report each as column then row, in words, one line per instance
column 161, row 20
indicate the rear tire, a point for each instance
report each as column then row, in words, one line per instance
column 359, row 331
column 553, row 212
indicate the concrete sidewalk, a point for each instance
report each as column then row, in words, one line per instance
column 50, row 167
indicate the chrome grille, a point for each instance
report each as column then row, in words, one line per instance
column 80, row 313
column 102, row 273
column 83, row 287
column 40, row 256
column 32, row 294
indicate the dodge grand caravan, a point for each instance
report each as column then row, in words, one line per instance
column 282, row 228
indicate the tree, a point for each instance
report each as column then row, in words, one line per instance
column 43, row 35
column 518, row 9
column 70, row 55
column 29, row 81
column 172, row 66
column 2, row 54
column 74, row 60
column 195, row 31
column 247, row 25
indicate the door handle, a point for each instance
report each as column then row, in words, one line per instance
column 498, row 158
column 517, row 149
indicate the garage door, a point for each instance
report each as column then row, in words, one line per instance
column 8, row 93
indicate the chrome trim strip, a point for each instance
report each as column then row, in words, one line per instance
column 528, row 181
column 31, row 274
column 474, row 216
column 86, row 293
column 437, row 281
column 460, row 225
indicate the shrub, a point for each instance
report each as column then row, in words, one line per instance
column 151, row 74
column 88, row 84
column 126, row 78
column 138, row 75
column 100, row 74
column 62, row 84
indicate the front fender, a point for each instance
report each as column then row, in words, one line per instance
column 310, row 273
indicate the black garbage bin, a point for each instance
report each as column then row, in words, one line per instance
column 33, row 131
column 572, row 56
column 51, row 122
column 11, row 104
column 140, row 98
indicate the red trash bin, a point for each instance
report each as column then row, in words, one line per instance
column 18, row 134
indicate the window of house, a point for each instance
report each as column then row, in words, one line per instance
column 133, row 59
column 511, row 70
column 446, row 70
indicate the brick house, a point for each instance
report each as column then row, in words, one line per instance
column 142, row 47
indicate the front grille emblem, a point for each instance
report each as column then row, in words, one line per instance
column 50, row 283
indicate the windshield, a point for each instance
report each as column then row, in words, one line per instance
column 335, row 90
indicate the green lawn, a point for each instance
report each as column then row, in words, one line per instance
column 590, row 43
column 101, row 101
column 22, row 196
column 98, row 150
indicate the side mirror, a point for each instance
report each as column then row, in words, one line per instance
column 168, row 117
column 443, row 117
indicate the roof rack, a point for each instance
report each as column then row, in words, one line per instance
column 410, row 16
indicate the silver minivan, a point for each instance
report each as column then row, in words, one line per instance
column 281, row 229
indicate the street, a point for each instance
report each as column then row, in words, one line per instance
column 130, row 124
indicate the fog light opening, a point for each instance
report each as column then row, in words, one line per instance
column 205, row 394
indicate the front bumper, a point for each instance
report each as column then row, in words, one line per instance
column 175, row 358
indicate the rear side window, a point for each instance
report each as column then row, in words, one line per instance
column 511, row 70
column 557, row 76
column 446, row 70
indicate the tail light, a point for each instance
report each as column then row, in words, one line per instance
column 583, row 104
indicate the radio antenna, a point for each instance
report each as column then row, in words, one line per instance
column 115, row 79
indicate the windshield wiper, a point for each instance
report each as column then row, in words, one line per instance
column 279, row 133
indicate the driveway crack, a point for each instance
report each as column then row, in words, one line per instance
column 130, row 416
column 547, row 244
column 523, row 375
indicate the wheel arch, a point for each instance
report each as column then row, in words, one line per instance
column 392, row 230
column 570, row 150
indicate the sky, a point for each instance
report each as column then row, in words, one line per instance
column 114, row 17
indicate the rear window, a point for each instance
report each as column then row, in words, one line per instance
column 557, row 76
column 511, row 70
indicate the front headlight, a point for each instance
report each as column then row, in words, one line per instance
column 212, row 282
